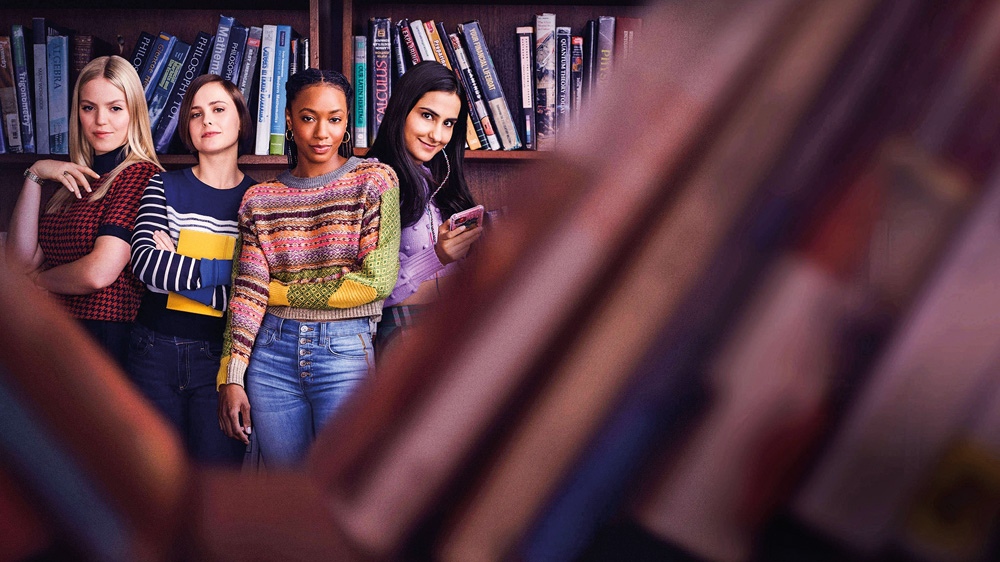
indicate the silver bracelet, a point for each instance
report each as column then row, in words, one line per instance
column 32, row 176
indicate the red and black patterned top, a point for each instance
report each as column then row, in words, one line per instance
column 70, row 234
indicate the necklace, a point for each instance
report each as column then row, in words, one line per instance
column 427, row 207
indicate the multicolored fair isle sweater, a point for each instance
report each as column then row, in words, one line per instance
column 296, row 235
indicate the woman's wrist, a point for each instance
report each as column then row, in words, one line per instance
column 32, row 175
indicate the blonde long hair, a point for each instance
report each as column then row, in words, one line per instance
column 139, row 146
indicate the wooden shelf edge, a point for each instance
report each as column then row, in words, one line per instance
column 489, row 155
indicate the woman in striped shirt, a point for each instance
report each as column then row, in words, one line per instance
column 317, row 256
column 174, row 354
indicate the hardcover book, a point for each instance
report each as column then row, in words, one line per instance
column 575, row 79
column 22, row 72
column 421, row 40
column 605, row 50
column 168, row 79
column 194, row 63
column 140, row 52
column 282, row 52
column 475, row 136
column 233, row 60
column 627, row 31
column 435, row 40
column 475, row 93
column 380, row 48
column 360, row 91
column 563, row 66
column 545, row 81
column 526, row 66
column 265, row 89
column 589, row 58
column 8, row 98
column 408, row 42
column 40, row 66
column 486, row 72
column 399, row 55
column 57, row 52
column 198, row 244
column 216, row 63
column 158, row 55
column 248, row 66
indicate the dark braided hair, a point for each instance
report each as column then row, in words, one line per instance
column 390, row 145
column 311, row 77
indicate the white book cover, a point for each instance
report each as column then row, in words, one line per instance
column 266, row 92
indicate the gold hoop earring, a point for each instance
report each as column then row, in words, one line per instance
column 347, row 135
column 288, row 135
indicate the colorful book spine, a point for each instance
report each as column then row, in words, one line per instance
column 526, row 67
column 231, row 66
column 420, row 39
column 434, row 38
column 249, row 64
column 158, row 56
column 545, row 81
column 475, row 137
column 8, row 98
column 168, row 79
column 39, row 64
column 266, row 89
column 216, row 63
column 475, row 94
column 398, row 54
column 23, row 87
column 57, row 51
column 194, row 62
column 575, row 78
column 487, row 73
column 589, row 57
column 381, row 78
column 605, row 50
column 282, row 50
column 140, row 53
column 411, row 46
column 361, row 91
column 563, row 68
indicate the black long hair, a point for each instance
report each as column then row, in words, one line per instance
column 390, row 145
column 311, row 77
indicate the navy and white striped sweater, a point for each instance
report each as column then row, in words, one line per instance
column 172, row 201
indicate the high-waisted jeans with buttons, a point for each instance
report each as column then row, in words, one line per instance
column 300, row 372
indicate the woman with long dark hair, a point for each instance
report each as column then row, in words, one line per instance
column 316, row 257
column 422, row 136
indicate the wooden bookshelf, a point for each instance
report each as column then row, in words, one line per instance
column 492, row 175
column 107, row 19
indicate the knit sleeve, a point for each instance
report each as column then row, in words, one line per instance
column 167, row 271
column 248, row 300
column 122, row 200
column 378, row 258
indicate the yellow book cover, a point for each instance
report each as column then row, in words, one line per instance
column 196, row 244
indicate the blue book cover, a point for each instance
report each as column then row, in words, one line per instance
column 194, row 62
column 23, row 85
column 57, row 52
column 140, row 53
column 217, row 61
column 234, row 52
column 40, row 65
column 282, row 48
column 489, row 80
column 165, row 85
column 158, row 55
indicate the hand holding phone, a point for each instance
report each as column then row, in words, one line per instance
column 469, row 218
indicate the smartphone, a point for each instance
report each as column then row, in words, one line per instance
column 469, row 218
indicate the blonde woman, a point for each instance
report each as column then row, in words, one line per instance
column 78, row 249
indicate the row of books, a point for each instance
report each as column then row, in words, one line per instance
column 36, row 85
column 558, row 72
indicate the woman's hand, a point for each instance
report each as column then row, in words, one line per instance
column 72, row 176
column 163, row 241
column 233, row 402
column 452, row 245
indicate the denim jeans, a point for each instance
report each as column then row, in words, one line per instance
column 300, row 372
column 178, row 376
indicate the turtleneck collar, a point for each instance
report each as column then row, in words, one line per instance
column 104, row 163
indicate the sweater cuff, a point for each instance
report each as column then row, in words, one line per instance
column 231, row 371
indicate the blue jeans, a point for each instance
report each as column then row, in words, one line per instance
column 300, row 373
column 178, row 376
